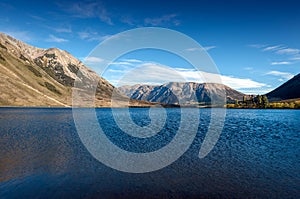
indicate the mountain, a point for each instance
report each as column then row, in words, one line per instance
column 31, row 76
column 288, row 90
column 186, row 93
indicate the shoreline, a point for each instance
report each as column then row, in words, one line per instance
column 106, row 107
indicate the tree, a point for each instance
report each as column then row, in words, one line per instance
column 236, row 104
column 236, row 101
column 265, row 101
column 244, row 99
column 259, row 99
column 252, row 99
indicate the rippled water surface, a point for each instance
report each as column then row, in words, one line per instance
column 257, row 155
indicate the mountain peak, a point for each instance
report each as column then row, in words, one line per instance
column 33, row 76
column 19, row 48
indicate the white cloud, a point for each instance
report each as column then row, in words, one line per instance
column 284, row 75
column 192, row 49
column 133, row 60
column 288, row 51
column 53, row 38
column 115, row 71
column 255, row 91
column 93, row 60
column 281, row 63
column 273, row 48
column 163, row 20
column 241, row 83
column 153, row 73
column 207, row 48
column 150, row 73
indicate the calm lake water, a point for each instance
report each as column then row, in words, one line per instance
column 257, row 156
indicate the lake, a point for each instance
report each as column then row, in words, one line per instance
column 256, row 156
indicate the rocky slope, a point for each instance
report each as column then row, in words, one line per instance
column 288, row 90
column 185, row 93
column 31, row 76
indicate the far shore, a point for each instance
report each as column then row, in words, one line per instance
column 165, row 106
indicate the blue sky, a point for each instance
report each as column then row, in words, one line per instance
column 254, row 44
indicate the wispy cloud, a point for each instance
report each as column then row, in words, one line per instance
column 55, row 39
column 257, row 45
column 282, row 50
column 192, row 49
column 272, row 48
column 121, row 63
column 295, row 58
column 163, row 20
column 115, row 71
column 94, row 9
column 92, row 36
column 4, row 20
column 60, row 29
column 288, row 51
column 279, row 49
column 284, row 75
column 20, row 35
column 128, row 20
column 36, row 17
column 6, row 6
column 133, row 60
column 207, row 48
column 281, row 63
column 63, row 30
column 248, row 68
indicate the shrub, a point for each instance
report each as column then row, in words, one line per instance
column 34, row 71
column 52, row 88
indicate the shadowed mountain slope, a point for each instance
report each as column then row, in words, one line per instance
column 288, row 90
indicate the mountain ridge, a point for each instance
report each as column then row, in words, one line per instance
column 184, row 93
column 31, row 76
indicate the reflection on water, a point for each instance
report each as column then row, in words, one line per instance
column 41, row 156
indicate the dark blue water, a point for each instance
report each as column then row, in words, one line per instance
column 257, row 156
